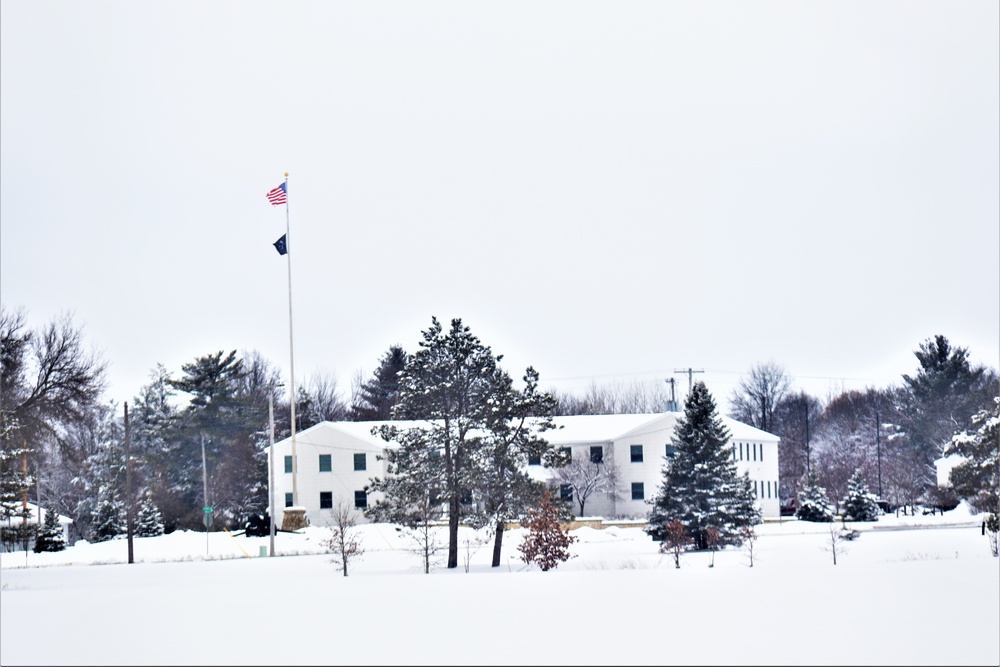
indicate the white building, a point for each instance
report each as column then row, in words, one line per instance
column 336, row 460
column 9, row 540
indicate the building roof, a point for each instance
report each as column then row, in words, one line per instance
column 32, row 517
column 573, row 429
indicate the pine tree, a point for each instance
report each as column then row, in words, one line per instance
column 813, row 503
column 450, row 384
column 941, row 399
column 148, row 520
column 860, row 504
column 50, row 535
column 701, row 487
column 546, row 543
column 514, row 434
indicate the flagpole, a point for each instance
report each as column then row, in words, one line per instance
column 291, row 351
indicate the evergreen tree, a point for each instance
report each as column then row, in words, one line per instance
column 514, row 434
column 546, row 544
column 226, row 415
column 813, row 503
column 450, row 383
column 701, row 487
column 50, row 535
column 860, row 504
column 148, row 520
column 977, row 479
column 941, row 399
column 376, row 397
column 109, row 516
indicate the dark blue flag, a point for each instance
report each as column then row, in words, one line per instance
column 281, row 245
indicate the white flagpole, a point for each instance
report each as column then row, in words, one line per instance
column 291, row 349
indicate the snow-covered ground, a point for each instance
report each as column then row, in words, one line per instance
column 916, row 590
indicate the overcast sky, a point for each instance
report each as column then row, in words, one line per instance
column 608, row 191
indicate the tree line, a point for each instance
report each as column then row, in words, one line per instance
column 63, row 444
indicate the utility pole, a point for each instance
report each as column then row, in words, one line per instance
column 270, row 466
column 673, row 397
column 690, row 372
column 129, row 516
column 878, row 451
column 207, row 509
column 808, row 468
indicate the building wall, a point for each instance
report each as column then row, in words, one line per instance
column 342, row 480
column 757, row 455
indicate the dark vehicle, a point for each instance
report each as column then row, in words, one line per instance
column 789, row 506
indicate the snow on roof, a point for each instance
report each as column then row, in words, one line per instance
column 32, row 516
column 572, row 429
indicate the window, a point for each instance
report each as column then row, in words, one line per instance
column 671, row 451
column 755, row 451
column 635, row 453
column 769, row 488
column 597, row 454
column 566, row 492
column 360, row 462
column 288, row 464
column 534, row 460
column 325, row 464
column 289, row 500
column 638, row 491
column 762, row 451
column 567, row 452
column 741, row 451
column 326, row 500
column 360, row 500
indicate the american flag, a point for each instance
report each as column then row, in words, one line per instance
column 278, row 196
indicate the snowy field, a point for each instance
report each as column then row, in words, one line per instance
column 920, row 590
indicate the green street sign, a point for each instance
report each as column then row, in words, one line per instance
column 206, row 510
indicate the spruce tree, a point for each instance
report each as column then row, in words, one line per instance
column 376, row 397
column 860, row 504
column 701, row 487
column 148, row 520
column 977, row 478
column 109, row 516
column 813, row 503
column 50, row 535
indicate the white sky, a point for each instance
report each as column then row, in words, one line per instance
column 895, row 597
column 606, row 191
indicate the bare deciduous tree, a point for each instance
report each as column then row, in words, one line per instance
column 749, row 535
column 585, row 478
column 675, row 541
column 427, row 542
column 345, row 545
column 755, row 399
